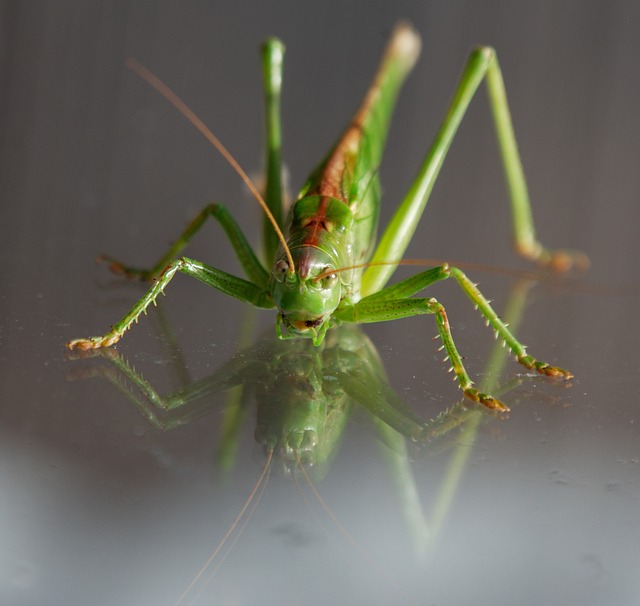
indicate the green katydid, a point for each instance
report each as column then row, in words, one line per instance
column 304, row 396
column 325, row 270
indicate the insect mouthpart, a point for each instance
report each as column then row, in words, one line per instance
column 288, row 327
column 313, row 323
column 303, row 326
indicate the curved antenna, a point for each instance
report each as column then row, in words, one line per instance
column 150, row 78
column 433, row 262
column 528, row 274
column 232, row 527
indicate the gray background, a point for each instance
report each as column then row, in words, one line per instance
column 97, row 507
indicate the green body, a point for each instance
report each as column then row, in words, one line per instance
column 333, row 223
column 317, row 281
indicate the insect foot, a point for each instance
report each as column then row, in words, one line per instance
column 544, row 369
column 93, row 342
column 485, row 399
column 565, row 260
column 120, row 269
column 560, row 260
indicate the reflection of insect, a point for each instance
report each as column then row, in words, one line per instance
column 304, row 396
column 318, row 278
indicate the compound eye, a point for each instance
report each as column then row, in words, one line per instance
column 280, row 270
column 329, row 281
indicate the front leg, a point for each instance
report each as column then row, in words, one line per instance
column 380, row 309
column 410, row 286
column 224, row 282
column 397, row 301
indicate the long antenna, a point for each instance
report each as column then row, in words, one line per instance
column 528, row 274
column 150, row 78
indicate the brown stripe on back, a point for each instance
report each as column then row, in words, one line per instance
column 331, row 179
column 316, row 224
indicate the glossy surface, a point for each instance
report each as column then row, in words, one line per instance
column 98, row 506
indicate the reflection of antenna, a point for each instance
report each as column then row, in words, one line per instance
column 259, row 483
column 151, row 79
column 345, row 533
column 329, row 512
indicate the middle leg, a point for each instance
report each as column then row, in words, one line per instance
column 248, row 259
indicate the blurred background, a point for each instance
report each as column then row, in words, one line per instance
column 100, row 506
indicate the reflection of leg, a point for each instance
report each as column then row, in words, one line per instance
column 468, row 420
